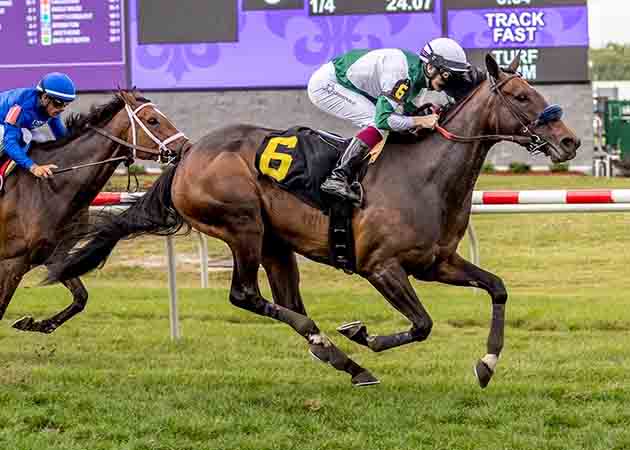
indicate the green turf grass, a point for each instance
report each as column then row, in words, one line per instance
column 111, row 378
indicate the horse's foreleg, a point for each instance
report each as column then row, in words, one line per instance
column 79, row 299
column 11, row 273
column 459, row 272
column 245, row 294
column 391, row 280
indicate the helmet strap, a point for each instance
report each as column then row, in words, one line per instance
column 430, row 74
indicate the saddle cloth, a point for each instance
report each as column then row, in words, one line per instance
column 6, row 167
column 299, row 160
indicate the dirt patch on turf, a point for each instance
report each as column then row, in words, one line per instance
column 12, row 375
column 189, row 259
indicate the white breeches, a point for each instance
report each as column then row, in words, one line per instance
column 328, row 95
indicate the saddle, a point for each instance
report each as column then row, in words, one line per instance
column 298, row 160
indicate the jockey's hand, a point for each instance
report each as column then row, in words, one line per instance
column 429, row 121
column 44, row 171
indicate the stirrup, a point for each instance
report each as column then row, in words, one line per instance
column 353, row 195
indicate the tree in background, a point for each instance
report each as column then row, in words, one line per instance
column 611, row 62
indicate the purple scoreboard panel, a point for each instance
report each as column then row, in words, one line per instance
column 223, row 44
column 197, row 44
column 84, row 38
column 551, row 35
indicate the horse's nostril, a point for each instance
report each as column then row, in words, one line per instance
column 569, row 142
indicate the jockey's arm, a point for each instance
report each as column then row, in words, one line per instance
column 12, row 142
column 388, row 119
column 396, row 89
column 57, row 127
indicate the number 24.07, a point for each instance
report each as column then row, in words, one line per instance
column 408, row 5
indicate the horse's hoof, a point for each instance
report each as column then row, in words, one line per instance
column 355, row 331
column 27, row 323
column 24, row 324
column 483, row 373
column 364, row 378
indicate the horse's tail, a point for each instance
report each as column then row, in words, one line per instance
column 153, row 213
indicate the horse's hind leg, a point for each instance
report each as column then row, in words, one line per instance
column 459, row 272
column 284, row 276
column 391, row 280
column 11, row 273
column 245, row 294
column 79, row 299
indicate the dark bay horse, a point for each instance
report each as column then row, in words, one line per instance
column 35, row 212
column 416, row 211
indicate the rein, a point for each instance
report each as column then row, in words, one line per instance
column 163, row 153
column 531, row 141
column 98, row 163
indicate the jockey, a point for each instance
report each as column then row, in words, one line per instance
column 375, row 90
column 23, row 110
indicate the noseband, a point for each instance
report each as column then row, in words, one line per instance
column 529, row 139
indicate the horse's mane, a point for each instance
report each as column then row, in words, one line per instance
column 78, row 124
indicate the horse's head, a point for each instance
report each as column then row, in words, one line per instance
column 152, row 135
column 520, row 110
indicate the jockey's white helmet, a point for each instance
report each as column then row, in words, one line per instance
column 445, row 53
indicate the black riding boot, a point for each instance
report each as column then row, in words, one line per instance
column 338, row 183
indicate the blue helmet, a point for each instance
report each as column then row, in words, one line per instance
column 59, row 86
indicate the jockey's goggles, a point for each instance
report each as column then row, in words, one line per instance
column 58, row 103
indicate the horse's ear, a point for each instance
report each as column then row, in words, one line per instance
column 515, row 63
column 492, row 66
column 126, row 97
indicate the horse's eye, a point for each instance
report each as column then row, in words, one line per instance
column 153, row 121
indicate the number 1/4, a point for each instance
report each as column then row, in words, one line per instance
column 322, row 6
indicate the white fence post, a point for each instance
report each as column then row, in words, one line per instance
column 203, row 260
column 473, row 244
column 172, row 288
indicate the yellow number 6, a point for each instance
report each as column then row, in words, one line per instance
column 270, row 154
column 401, row 91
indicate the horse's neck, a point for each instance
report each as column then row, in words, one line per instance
column 461, row 163
column 92, row 147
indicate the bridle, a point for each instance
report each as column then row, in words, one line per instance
column 529, row 139
column 164, row 154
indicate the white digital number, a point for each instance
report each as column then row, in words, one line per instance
column 513, row 2
column 403, row 5
column 323, row 6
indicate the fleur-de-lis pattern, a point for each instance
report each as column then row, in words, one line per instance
column 279, row 48
column 333, row 36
